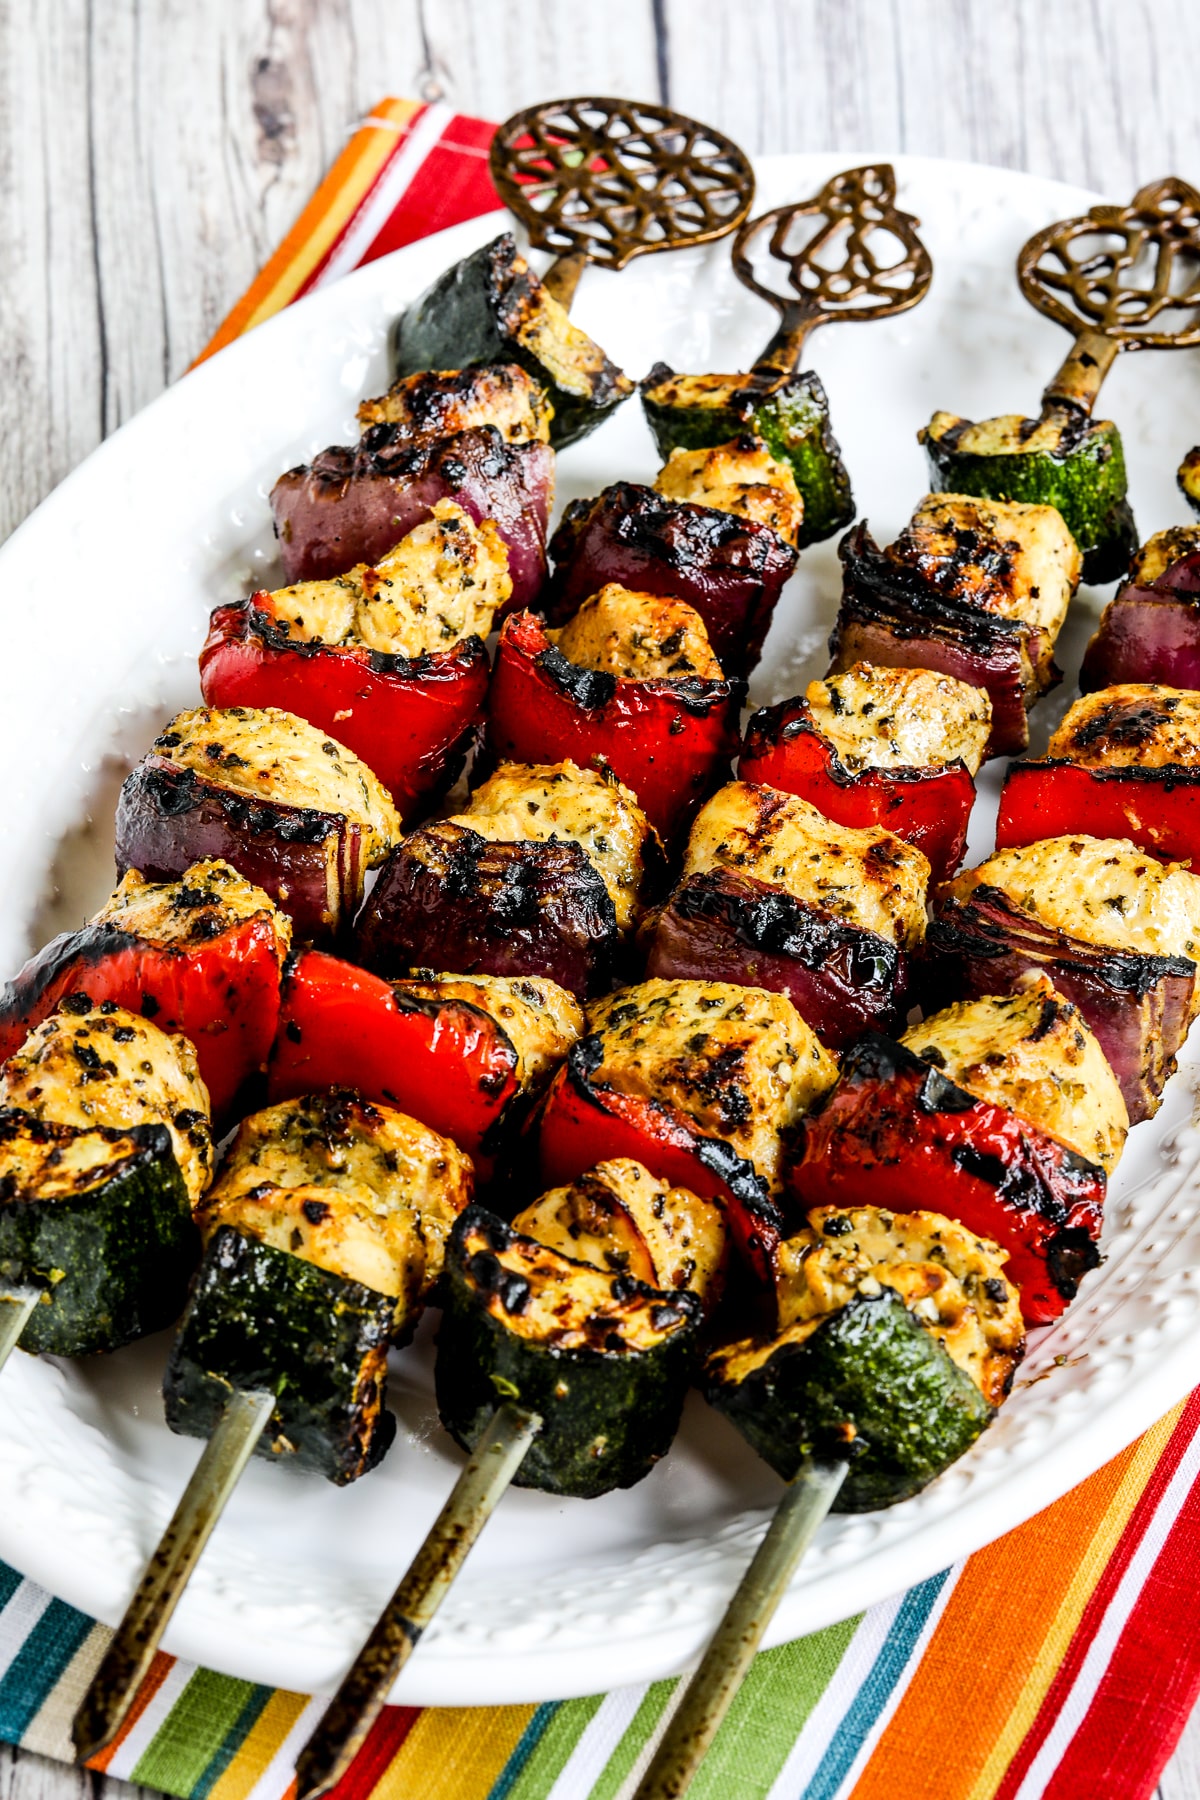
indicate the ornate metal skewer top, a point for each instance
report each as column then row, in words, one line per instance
column 1118, row 278
column 602, row 180
column 849, row 253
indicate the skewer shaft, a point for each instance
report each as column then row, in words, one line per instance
column 562, row 277
column 137, row 1637
column 362, row 1695
column 18, row 1303
column 715, row 1683
column 1078, row 380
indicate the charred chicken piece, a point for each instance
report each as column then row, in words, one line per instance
column 102, row 1066
column 1116, row 932
column 353, row 503
column 1189, row 478
column 200, row 956
column 1150, row 629
column 390, row 658
column 740, row 477
column 324, row 1233
column 439, row 403
column 621, row 1218
column 777, row 896
column 972, row 588
column 899, row 1335
column 878, row 746
column 491, row 308
column 1000, row 1113
column 629, row 685
column 465, row 1054
column 730, row 569
column 1124, row 763
column 292, row 810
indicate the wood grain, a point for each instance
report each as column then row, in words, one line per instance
column 153, row 152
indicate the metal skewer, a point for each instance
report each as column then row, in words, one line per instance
column 711, row 1691
column 137, row 1637
column 16, row 1305
column 358, row 1702
column 602, row 181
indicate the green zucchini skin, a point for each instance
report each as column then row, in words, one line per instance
column 871, row 1365
column 115, row 1258
column 791, row 417
column 261, row 1318
column 608, row 1417
column 1086, row 481
column 488, row 308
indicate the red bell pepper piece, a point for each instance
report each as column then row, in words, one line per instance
column 895, row 1130
column 1149, row 633
column 585, row 1122
column 928, row 807
column 1157, row 808
column 221, row 991
column 411, row 719
column 445, row 1062
column 669, row 741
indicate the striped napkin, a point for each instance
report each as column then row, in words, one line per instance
column 1059, row 1663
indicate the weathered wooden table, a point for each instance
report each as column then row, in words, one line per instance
column 153, row 152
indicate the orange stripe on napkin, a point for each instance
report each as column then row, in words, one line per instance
column 157, row 1673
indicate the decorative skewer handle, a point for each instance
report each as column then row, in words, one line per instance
column 362, row 1695
column 137, row 1637
column 18, row 1304
column 712, row 1688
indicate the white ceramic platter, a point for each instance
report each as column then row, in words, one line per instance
column 106, row 592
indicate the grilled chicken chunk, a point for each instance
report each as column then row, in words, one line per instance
column 212, row 899
column 440, row 402
column 738, row 1061
column 560, row 803
column 105, row 1066
column 540, row 1018
column 1159, row 552
column 868, row 878
column 638, row 637
column 740, row 477
column 403, row 1187
column 1009, row 558
column 1135, row 726
column 441, row 583
column 880, row 718
column 1032, row 1053
column 952, row 1280
column 1103, row 890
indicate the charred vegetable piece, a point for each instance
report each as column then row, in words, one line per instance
column 585, row 1122
column 463, row 1056
column 99, row 1220
column 774, row 895
column 899, row 1337
column 1124, row 763
column 441, row 403
column 491, row 308
column 1150, row 630
column 790, row 413
column 259, row 1317
column 740, row 477
column 1189, row 478
column 88, row 1066
column 731, row 570
column 292, row 810
column 1116, row 933
column 604, row 1359
column 1064, row 460
column 967, row 1116
column 390, row 659
column 890, row 747
column 669, row 739
column 620, row 1218
column 354, row 503
column 199, row 956
column 449, row 898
